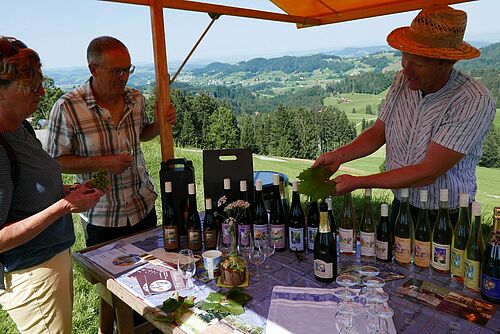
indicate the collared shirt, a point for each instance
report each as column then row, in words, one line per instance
column 458, row 117
column 78, row 126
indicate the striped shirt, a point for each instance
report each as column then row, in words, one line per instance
column 458, row 117
column 78, row 126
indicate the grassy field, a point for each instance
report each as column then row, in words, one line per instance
column 85, row 310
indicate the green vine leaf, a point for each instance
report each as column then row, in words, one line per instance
column 314, row 183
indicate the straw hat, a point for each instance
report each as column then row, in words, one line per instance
column 436, row 32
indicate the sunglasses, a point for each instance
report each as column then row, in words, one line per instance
column 9, row 46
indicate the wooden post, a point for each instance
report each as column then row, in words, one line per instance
column 162, row 78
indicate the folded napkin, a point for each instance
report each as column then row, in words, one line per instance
column 295, row 310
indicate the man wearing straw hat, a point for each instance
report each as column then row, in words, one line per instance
column 434, row 120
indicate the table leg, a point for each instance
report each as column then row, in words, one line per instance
column 123, row 314
column 106, row 317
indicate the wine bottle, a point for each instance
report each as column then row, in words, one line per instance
column 194, row 224
column 347, row 227
column 284, row 200
column 403, row 231
column 367, row 228
column 277, row 217
column 422, row 245
column 296, row 225
column 312, row 224
column 325, row 254
column 460, row 237
column 245, row 224
column 221, row 205
column 442, row 233
column 209, row 226
column 490, row 264
column 474, row 251
column 261, row 219
column 331, row 219
column 383, row 244
column 170, row 224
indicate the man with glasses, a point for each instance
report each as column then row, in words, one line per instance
column 99, row 126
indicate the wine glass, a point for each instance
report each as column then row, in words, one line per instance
column 222, row 246
column 347, row 310
column 256, row 257
column 266, row 245
column 383, row 313
column 345, row 293
column 245, row 243
column 187, row 267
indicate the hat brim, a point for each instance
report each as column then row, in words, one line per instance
column 399, row 40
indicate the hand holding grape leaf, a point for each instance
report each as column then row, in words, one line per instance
column 314, row 182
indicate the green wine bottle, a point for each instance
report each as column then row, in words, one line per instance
column 442, row 234
column 383, row 244
column 422, row 248
column 403, row 231
column 474, row 251
column 459, row 241
column 367, row 235
column 347, row 227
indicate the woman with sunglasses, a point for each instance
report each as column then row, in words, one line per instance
column 36, row 229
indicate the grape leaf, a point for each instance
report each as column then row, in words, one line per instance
column 313, row 183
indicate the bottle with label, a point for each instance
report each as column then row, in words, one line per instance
column 296, row 226
column 277, row 217
column 170, row 225
column 209, row 226
column 325, row 254
column 347, row 227
column 245, row 224
column 284, row 200
column 403, row 231
column 474, row 251
column 194, row 224
column 368, row 227
column 460, row 237
column 422, row 244
column 490, row 264
column 383, row 243
column 331, row 219
column 312, row 224
column 221, row 205
column 442, row 233
column 261, row 218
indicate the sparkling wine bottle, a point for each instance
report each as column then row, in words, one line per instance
column 325, row 254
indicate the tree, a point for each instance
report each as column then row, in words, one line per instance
column 368, row 109
column 491, row 150
column 247, row 132
column 222, row 131
column 47, row 101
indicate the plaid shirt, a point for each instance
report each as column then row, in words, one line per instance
column 78, row 126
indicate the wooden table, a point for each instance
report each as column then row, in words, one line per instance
column 287, row 270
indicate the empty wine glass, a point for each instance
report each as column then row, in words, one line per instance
column 256, row 257
column 383, row 313
column 369, row 271
column 345, row 293
column 187, row 267
column 349, row 310
column 245, row 243
column 222, row 246
column 266, row 245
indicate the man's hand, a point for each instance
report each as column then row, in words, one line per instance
column 171, row 115
column 117, row 163
column 344, row 184
column 330, row 160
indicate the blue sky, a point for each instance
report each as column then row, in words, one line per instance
column 60, row 30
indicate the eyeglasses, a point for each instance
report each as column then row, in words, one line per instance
column 28, row 88
column 9, row 46
column 117, row 71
